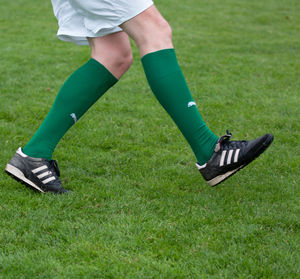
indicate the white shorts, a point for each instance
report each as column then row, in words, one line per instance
column 79, row 19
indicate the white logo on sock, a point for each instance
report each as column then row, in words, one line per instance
column 190, row 104
column 73, row 115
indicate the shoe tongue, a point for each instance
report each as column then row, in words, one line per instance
column 218, row 146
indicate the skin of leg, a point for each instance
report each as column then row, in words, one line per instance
column 149, row 30
column 113, row 51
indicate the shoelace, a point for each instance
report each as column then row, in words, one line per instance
column 225, row 138
column 225, row 142
column 54, row 166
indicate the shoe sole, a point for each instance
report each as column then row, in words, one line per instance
column 20, row 177
column 217, row 180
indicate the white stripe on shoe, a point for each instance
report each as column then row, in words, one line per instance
column 48, row 179
column 44, row 174
column 39, row 169
column 223, row 158
column 229, row 156
column 236, row 155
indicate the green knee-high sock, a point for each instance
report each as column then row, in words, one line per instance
column 81, row 90
column 169, row 86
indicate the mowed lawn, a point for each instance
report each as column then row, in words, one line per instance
column 139, row 207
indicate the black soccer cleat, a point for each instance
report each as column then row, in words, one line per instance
column 37, row 173
column 231, row 156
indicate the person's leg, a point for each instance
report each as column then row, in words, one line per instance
column 110, row 58
column 153, row 36
column 113, row 52
column 218, row 159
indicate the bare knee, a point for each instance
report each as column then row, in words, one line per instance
column 159, row 32
column 113, row 51
column 150, row 31
column 120, row 61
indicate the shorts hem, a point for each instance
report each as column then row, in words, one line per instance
column 80, row 38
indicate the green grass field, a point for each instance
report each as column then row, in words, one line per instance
column 139, row 207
